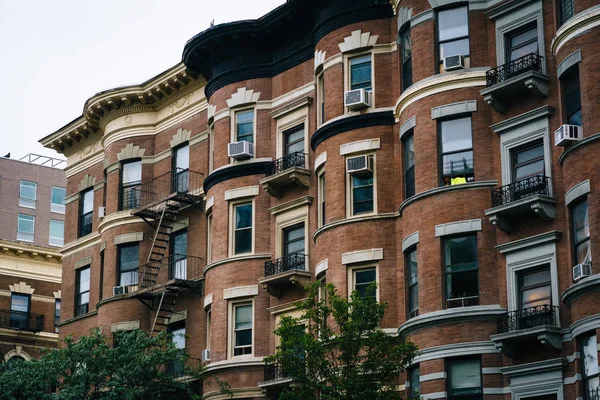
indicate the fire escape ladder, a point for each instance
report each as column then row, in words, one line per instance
column 164, row 310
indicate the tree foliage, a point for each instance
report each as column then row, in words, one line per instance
column 337, row 350
column 90, row 368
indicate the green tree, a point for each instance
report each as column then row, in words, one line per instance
column 140, row 367
column 340, row 351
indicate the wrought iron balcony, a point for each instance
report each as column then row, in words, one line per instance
column 181, row 368
column 21, row 320
column 292, row 160
column 521, row 189
column 179, row 184
column 287, row 170
column 528, row 318
column 530, row 62
column 288, row 263
column 273, row 371
column 172, row 269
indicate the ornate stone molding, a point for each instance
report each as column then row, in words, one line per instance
column 21, row 287
column 130, row 151
column 584, row 21
column 591, row 284
column 319, row 58
column 358, row 40
column 243, row 96
column 182, row 136
column 87, row 182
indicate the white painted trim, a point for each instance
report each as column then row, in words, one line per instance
column 208, row 299
column 455, row 350
column 320, row 160
column 453, row 228
column 209, row 204
column 359, row 146
column 129, row 238
column 491, row 370
column 322, row 267
column 410, row 241
column 243, row 96
column 433, row 376
column 407, row 126
column 572, row 379
column 582, row 22
column 362, row 256
column 447, row 110
column 239, row 193
column 577, row 191
column 240, row 291
column 358, row 40
column 435, row 395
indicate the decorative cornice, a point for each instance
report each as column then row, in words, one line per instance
column 522, row 119
column 79, row 317
column 576, row 146
column 80, row 244
column 556, row 364
column 290, row 205
column 33, row 251
column 591, row 284
column 450, row 316
column 444, row 189
column 237, row 170
column 578, row 24
column 358, row 40
column 530, row 241
column 349, row 123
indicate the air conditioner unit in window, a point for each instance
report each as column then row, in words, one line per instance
column 567, row 134
column 205, row 355
column 582, row 270
column 117, row 290
column 357, row 99
column 101, row 212
column 359, row 165
column 241, row 150
column 454, row 62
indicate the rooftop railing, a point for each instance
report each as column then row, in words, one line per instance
column 521, row 189
column 292, row 160
column 530, row 62
column 528, row 318
column 21, row 320
column 288, row 263
column 178, row 180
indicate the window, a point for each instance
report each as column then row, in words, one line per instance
column 294, row 140
column 57, row 233
column 27, row 194
column 464, row 379
column 406, row 59
column 362, row 189
column 82, row 298
column 457, row 151
column 56, row 314
column 209, row 234
column 242, row 329
column 572, row 96
column 86, row 209
column 322, row 195
column 460, row 268
column 535, row 288
column 244, row 121
column 131, row 178
column 413, row 282
column 521, row 42
column 409, row 165
column 360, row 72
column 566, row 10
column 293, row 240
column 57, row 198
column 178, row 251
column 363, row 278
column 590, row 369
column 181, row 164
column 321, row 94
column 453, row 33
column 25, row 228
column 177, row 331
column 19, row 310
column 414, row 376
column 208, row 325
column 128, row 263
column 581, row 232
column 528, row 161
column 242, row 240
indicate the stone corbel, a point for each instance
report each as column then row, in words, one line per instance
column 544, row 210
column 551, row 340
column 500, row 223
column 508, row 349
column 495, row 103
column 538, row 88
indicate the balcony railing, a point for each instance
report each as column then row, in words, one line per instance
column 296, row 159
column 175, row 266
column 530, row 62
column 273, row 371
column 528, row 318
column 21, row 320
column 178, row 180
column 462, row 301
column 180, row 368
column 521, row 189
column 292, row 262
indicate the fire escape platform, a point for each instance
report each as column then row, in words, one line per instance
column 183, row 200
column 172, row 284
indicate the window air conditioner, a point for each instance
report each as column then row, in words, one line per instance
column 241, row 150
column 567, row 134
column 582, row 270
column 357, row 99
column 101, row 212
column 117, row 290
column 359, row 165
column 205, row 355
column 454, row 62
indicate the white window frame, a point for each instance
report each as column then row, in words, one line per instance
column 321, row 197
column 54, row 207
column 352, row 276
column 348, row 77
column 349, row 196
column 291, row 120
column 288, row 219
column 231, row 323
column 24, row 201
column 58, row 242
column 232, row 205
column 233, row 127
column 26, row 236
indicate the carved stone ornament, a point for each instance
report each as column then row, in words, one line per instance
column 243, row 96
column 86, row 182
column 319, row 58
column 130, row 151
column 358, row 40
column 21, row 287
column 182, row 136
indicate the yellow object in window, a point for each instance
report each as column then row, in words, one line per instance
column 458, row 181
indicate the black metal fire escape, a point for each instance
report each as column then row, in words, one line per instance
column 158, row 203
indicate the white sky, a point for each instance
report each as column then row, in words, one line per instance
column 56, row 54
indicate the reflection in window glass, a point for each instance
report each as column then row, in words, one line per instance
column 535, row 288
column 591, row 371
column 461, row 267
column 58, row 196
column 83, row 291
column 522, row 42
column 242, row 228
column 453, row 32
column 363, row 278
column 464, row 378
column 413, row 282
column 581, row 232
column 57, row 233
column 245, row 125
column 242, row 331
column 362, row 193
column 129, row 260
column 360, row 73
column 28, row 190
column 457, row 151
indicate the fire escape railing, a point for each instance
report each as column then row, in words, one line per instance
column 21, row 320
column 520, row 189
column 530, row 62
column 178, row 180
column 174, row 266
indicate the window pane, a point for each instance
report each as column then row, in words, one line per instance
column 57, row 229
column 243, row 241
column 26, row 223
column 458, row 164
column 129, row 257
column 360, row 72
column 456, row 134
column 362, row 280
column 409, row 152
column 132, row 172
column 243, row 338
column 84, row 280
column 523, row 37
column 88, row 201
column 58, row 196
column 414, row 379
column 180, row 241
column 462, row 284
column 523, row 51
column 178, row 338
column 460, row 254
column 583, row 252
column 581, row 221
column 182, row 157
column 245, row 116
column 452, row 23
column 536, row 278
column 19, row 303
column 536, row 297
column 243, row 216
column 530, row 154
column 590, row 355
column 28, row 190
column 528, row 170
column 406, row 46
column 456, row 47
column 465, row 376
column 412, row 267
column 243, row 316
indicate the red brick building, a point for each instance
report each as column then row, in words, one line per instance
column 441, row 148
